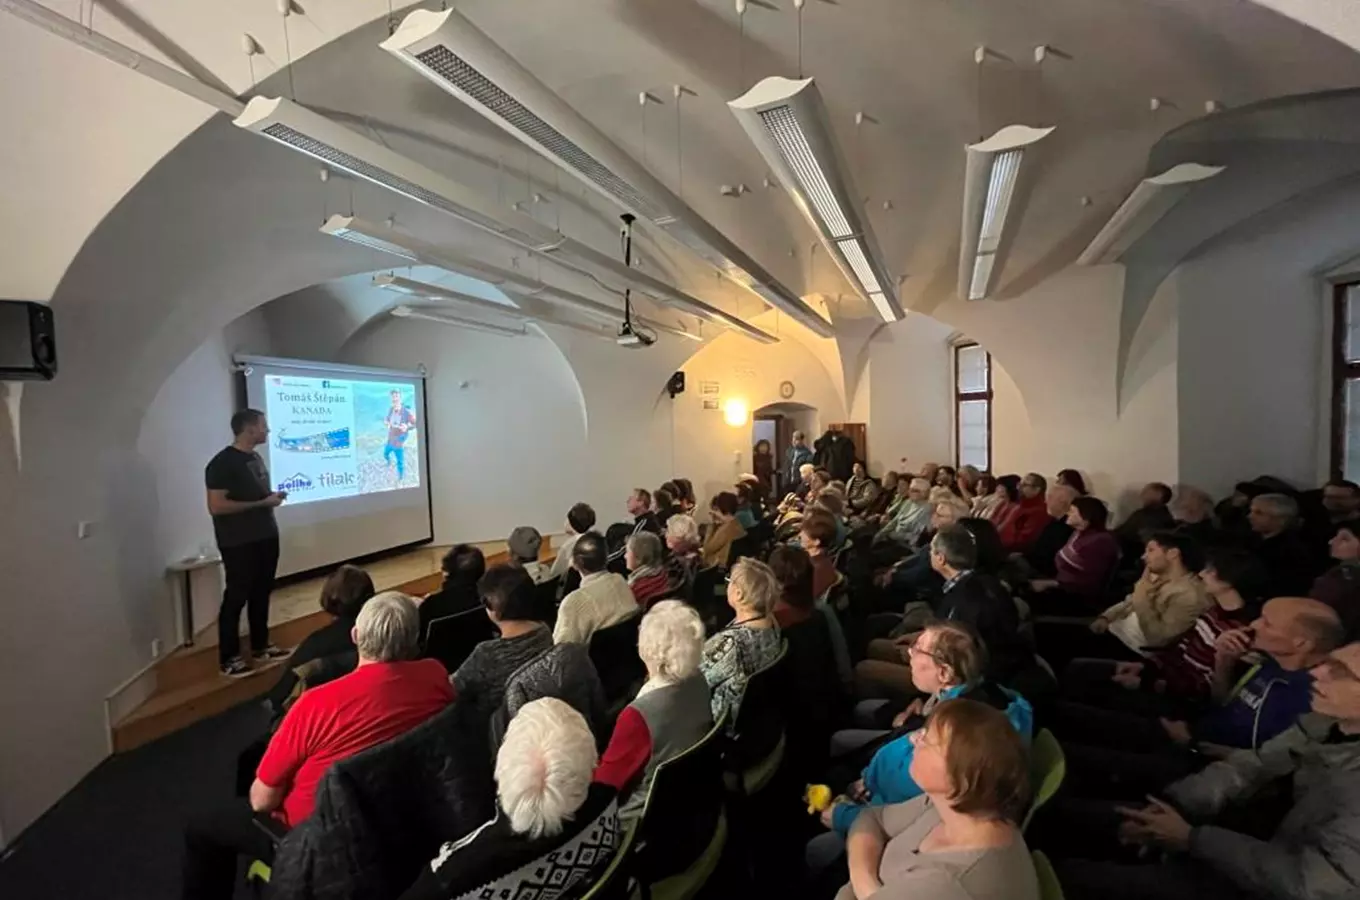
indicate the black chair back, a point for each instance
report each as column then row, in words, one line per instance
column 614, row 653
column 546, row 597
column 682, row 809
column 450, row 639
column 570, row 582
column 760, row 718
column 708, row 597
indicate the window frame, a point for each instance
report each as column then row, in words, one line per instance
column 1344, row 371
column 960, row 397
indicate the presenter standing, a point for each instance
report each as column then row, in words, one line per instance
column 242, row 507
column 400, row 420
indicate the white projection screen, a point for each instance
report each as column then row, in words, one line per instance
column 350, row 447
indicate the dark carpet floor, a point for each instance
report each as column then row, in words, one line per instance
column 118, row 834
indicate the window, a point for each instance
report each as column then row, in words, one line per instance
column 1346, row 382
column 973, row 406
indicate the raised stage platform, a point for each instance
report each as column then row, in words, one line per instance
column 184, row 686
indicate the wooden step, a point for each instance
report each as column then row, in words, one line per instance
column 171, row 710
column 189, row 665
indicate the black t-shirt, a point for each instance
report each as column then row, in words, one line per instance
column 244, row 477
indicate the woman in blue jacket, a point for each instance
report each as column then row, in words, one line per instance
column 947, row 661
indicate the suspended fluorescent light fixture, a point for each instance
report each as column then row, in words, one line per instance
column 413, row 249
column 300, row 129
column 425, row 291
column 1143, row 208
column 406, row 312
column 450, row 51
column 787, row 121
column 992, row 172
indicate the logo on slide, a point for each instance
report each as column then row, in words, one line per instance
column 298, row 482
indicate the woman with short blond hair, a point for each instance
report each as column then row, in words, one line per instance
column 749, row 643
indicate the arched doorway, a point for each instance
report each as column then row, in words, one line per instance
column 777, row 423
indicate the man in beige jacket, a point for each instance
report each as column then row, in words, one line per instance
column 1167, row 599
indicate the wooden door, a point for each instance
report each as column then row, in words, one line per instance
column 858, row 433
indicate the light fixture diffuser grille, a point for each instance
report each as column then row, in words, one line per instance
column 1000, row 190
column 787, row 134
column 859, row 264
column 457, row 72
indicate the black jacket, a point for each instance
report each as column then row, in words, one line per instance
column 836, row 453
column 383, row 814
column 453, row 598
column 1291, row 565
column 982, row 602
column 1042, row 553
column 330, row 640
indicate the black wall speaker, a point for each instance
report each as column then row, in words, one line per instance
column 676, row 385
column 28, row 341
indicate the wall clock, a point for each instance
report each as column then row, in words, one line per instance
column 786, row 389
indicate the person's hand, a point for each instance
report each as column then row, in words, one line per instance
column 913, row 709
column 1158, row 823
column 273, row 500
column 1128, row 675
column 1230, row 645
column 858, row 792
column 884, row 578
column 1100, row 625
column 1177, row 731
column 827, row 815
column 1039, row 585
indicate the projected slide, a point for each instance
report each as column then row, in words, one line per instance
column 332, row 437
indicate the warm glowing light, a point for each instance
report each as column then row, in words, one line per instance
column 735, row 412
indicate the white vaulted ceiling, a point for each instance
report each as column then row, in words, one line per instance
column 81, row 132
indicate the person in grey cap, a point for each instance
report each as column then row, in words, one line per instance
column 524, row 544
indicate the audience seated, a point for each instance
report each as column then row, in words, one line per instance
column 947, row 478
column 1021, row 526
column 1085, row 563
column 580, row 519
column 663, row 503
column 750, row 642
column 1291, row 636
column 389, row 693
column 640, row 508
column 817, row 535
column 967, row 596
column 861, row 491
column 511, row 605
column 603, row 598
column 961, row 839
column 523, row 547
column 1176, row 680
column 1073, row 479
column 1313, row 853
column 1340, row 506
column 1041, row 557
column 726, row 529
column 1339, row 586
column 647, row 575
column 343, row 595
column 1166, row 600
column 967, row 483
column 1153, row 514
column 671, row 713
column 911, row 517
column 947, row 661
column 987, row 497
column 555, row 830
column 1290, row 565
column 685, row 498
column 462, row 566
column 748, row 509
column 683, row 558
column 883, row 499
column 1193, row 511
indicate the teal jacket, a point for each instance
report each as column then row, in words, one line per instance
column 888, row 779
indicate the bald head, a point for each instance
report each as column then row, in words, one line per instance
column 1297, row 631
column 1060, row 497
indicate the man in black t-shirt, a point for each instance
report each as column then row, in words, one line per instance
column 242, row 505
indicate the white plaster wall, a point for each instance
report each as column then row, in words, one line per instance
column 911, row 404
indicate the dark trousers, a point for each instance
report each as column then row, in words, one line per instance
column 1118, row 755
column 250, row 579
column 1177, row 878
column 213, row 842
column 1060, row 642
column 1088, row 681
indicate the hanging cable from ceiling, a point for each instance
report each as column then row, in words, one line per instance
column 798, row 9
column 286, row 11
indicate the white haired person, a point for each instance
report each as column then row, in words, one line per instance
column 671, row 712
column 647, row 577
column 389, row 693
column 554, row 830
column 683, row 542
column 749, row 643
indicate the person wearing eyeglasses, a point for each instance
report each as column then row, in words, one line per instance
column 1312, row 854
column 961, row 838
column 947, row 661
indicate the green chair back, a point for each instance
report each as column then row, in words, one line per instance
column 1047, row 768
column 1049, row 888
